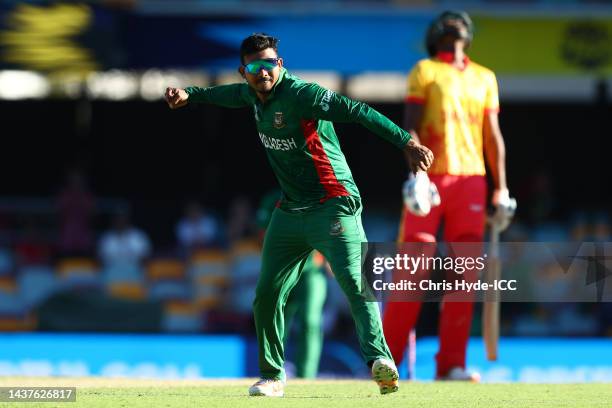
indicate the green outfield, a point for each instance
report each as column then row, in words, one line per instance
column 92, row 392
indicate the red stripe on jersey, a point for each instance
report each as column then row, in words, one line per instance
column 327, row 177
column 414, row 99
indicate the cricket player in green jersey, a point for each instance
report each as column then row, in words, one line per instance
column 320, row 208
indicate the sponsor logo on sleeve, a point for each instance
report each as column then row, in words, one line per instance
column 324, row 104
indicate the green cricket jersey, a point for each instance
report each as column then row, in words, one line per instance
column 295, row 127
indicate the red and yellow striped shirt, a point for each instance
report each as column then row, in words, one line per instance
column 455, row 102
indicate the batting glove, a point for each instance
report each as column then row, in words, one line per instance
column 505, row 207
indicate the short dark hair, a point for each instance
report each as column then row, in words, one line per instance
column 257, row 42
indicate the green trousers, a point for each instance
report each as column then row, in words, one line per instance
column 305, row 310
column 334, row 229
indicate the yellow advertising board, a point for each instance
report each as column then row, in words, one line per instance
column 543, row 45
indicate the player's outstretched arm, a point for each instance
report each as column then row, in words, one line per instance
column 321, row 103
column 229, row 96
column 176, row 97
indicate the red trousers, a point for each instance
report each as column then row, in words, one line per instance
column 463, row 214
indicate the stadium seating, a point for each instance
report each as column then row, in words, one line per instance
column 78, row 273
column 167, row 280
column 13, row 313
column 208, row 270
column 182, row 316
column 245, row 267
column 125, row 281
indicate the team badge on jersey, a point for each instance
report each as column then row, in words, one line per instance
column 279, row 120
column 336, row 228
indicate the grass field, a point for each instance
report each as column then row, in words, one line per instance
column 97, row 392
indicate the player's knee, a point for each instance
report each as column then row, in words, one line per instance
column 420, row 237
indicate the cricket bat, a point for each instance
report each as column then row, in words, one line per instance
column 490, row 307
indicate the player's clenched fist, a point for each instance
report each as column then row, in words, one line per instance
column 419, row 156
column 176, row 97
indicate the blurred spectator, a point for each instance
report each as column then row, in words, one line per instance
column 197, row 229
column 31, row 247
column 76, row 205
column 123, row 244
column 240, row 220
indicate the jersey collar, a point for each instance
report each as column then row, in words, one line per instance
column 449, row 57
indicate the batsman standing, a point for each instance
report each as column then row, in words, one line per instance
column 451, row 107
column 320, row 207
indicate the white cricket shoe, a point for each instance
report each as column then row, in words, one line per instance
column 267, row 387
column 460, row 374
column 386, row 375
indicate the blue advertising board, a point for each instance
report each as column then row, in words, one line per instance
column 531, row 360
column 118, row 355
